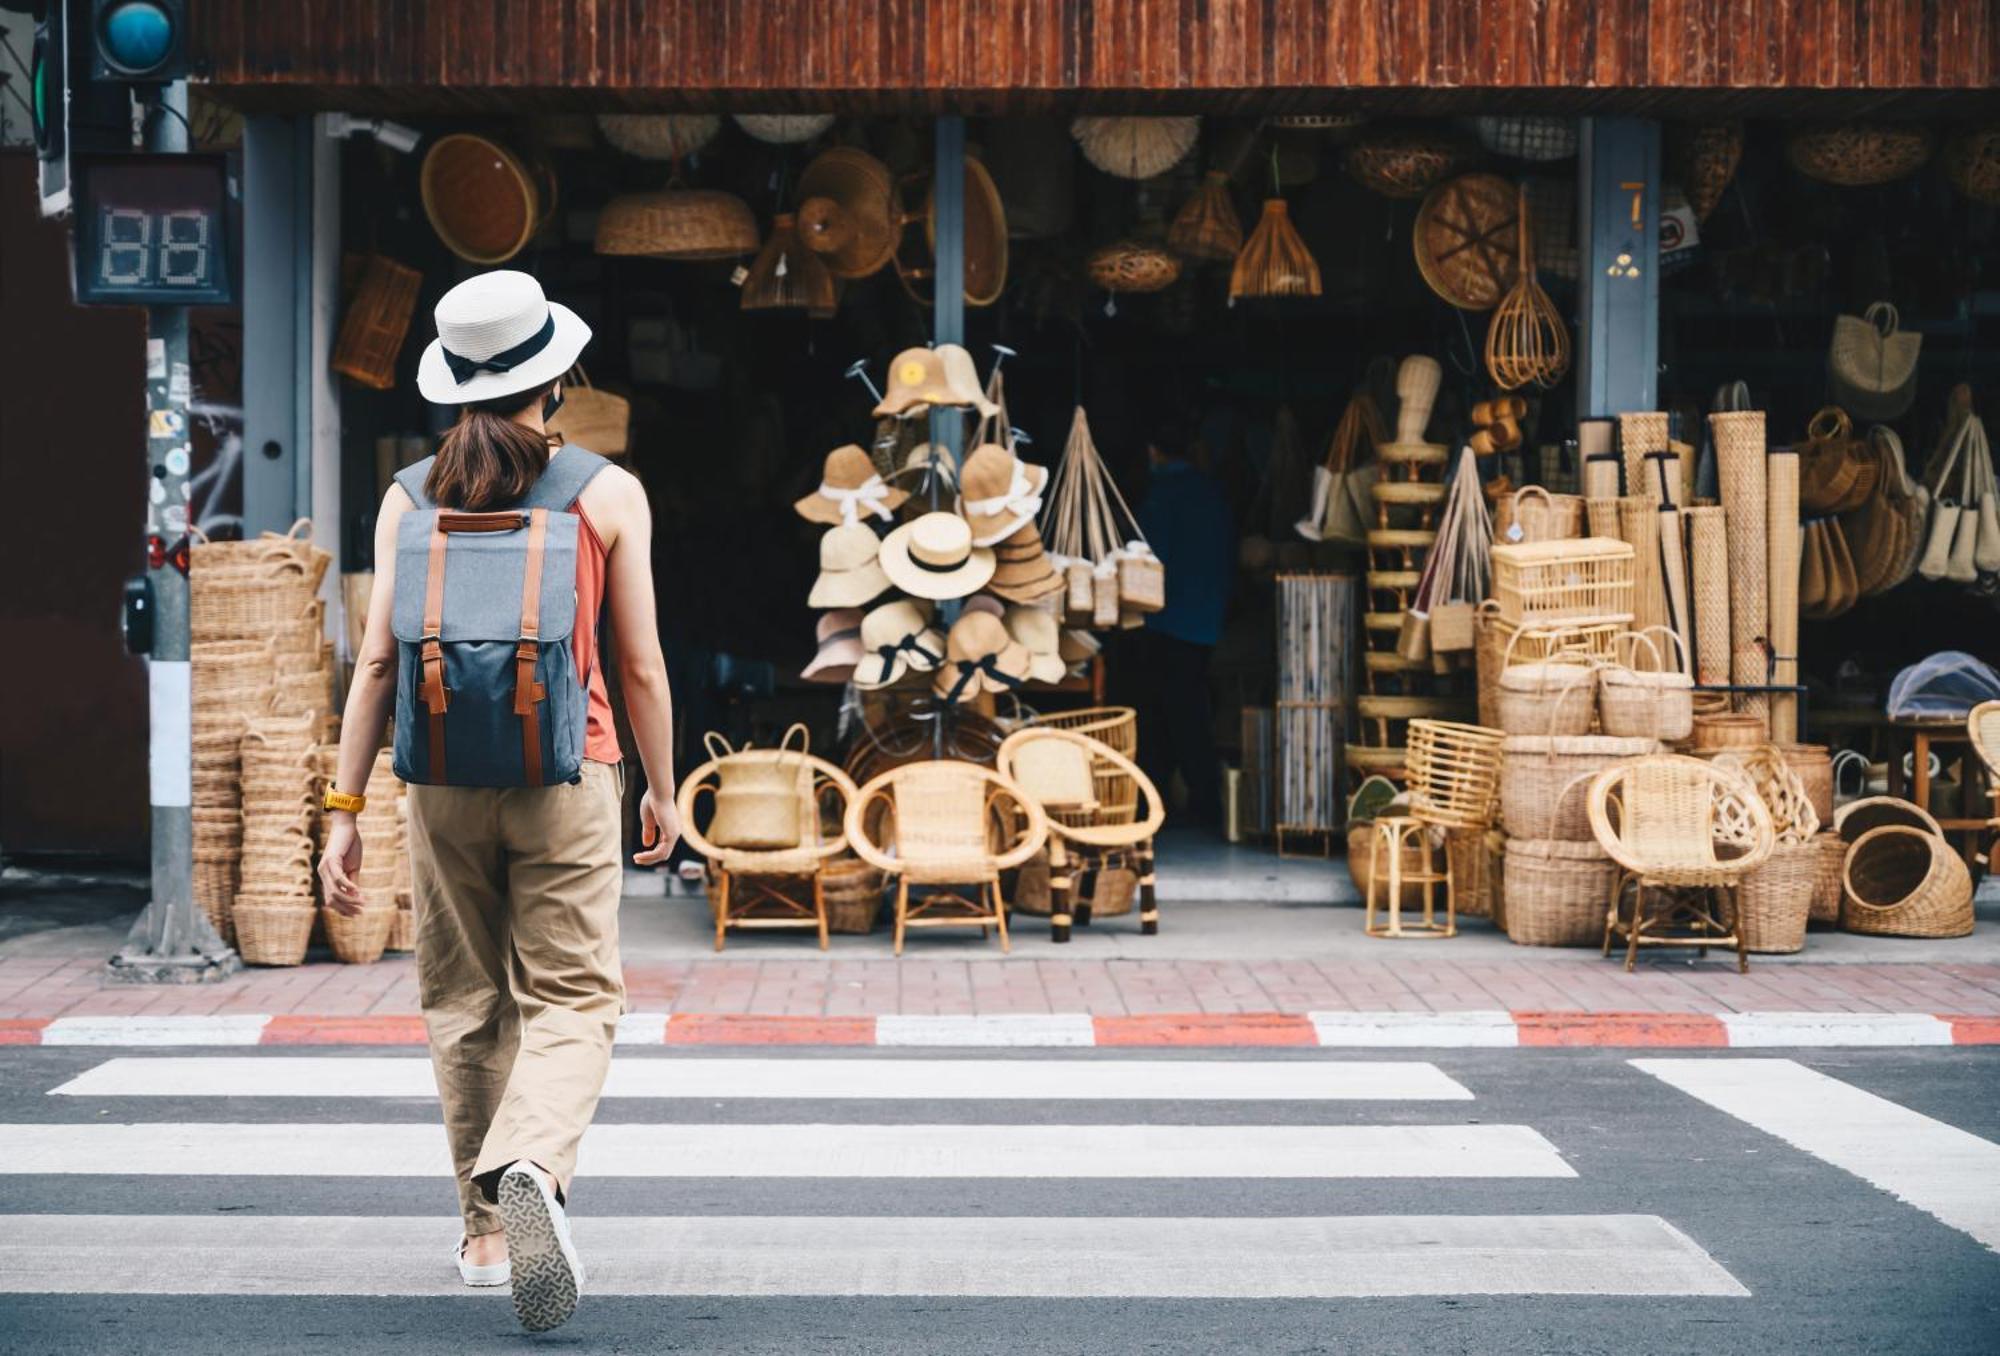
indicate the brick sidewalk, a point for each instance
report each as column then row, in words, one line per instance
column 33, row 990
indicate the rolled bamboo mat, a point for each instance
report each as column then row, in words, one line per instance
column 1782, row 602
column 1739, row 464
column 1640, row 435
column 1684, row 460
column 1639, row 524
column 1601, row 515
column 1597, row 451
column 1708, row 560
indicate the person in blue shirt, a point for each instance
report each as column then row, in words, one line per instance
column 1185, row 516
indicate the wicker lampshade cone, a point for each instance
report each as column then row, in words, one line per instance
column 848, row 196
column 1709, row 154
column 1133, row 266
column 1274, row 262
column 1859, row 154
column 690, row 224
column 787, row 275
column 1135, row 148
column 1207, row 227
column 1467, row 240
column 659, row 136
column 483, row 200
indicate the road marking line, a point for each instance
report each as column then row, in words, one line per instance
column 1749, row 1030
column 228, row 1029
column 1940, row 1169
column 998, row 1029
column 1438, row 1029
column 641, row 1028
column 409, row 1149
column 833, row 1079
column 1051, row 1257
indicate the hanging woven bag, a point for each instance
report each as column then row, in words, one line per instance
column 1836, row 473
column 1871, row 364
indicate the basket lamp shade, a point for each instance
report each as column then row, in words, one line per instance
column 784, row 129
column 1135, row 148
column 1207, row 227
column 659, row 136
column 481, row 198
column 1133, row 266
column 1274, row 262
column 689, row 224
column 847, row 211
column 788, row 276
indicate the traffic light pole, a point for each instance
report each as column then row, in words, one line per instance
column 172, row 942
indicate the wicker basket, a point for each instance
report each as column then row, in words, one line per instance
column 1539, row 582
column 1531, row 513
column 1905, row 882
column 1545, row 781
column 1133, row 266
column 1557, row 893
column 1858, row 817
column 1556, row 697
column 1857, row 155
column 1814, row 766
column 1646, row 704
column 853, row 892
column 1828, row 868
column 1477, row 861
column 1776, row 898
column 377, row 322
column 1972, row 163
column 1499, row 644
column 1725, row 730
column 690, row 224
column 359, row 939
column 1454, row 772
column 273, row 931
column 1401, row 164
column 659, row 136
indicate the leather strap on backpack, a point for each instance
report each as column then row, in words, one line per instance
column 528, row 693
column 432, row 691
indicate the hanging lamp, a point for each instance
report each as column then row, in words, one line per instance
column 1274, row 262
column 1207, row 227
column 788, row 276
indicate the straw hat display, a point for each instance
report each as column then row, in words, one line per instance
column 897, row 638
column 1022, row 570
column 784, row 129
column 850, row 568
column 659, row 136
column 933, row 557
column 850, row 488
column 1041, row 635
column 1001, row 492
column 980, row 657
column 922, row 377
column 839, row 637
column 688, row 224
column 847, row 212
column 1135, row 148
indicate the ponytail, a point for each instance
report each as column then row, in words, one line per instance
column 488, row 460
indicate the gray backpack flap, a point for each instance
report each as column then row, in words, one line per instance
column 487, row 688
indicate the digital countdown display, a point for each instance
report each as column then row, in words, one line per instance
column 153, row 231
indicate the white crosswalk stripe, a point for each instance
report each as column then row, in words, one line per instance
column 1317, row 1122
column 1940, row 1169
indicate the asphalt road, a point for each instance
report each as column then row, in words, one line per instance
column 1830, row 1262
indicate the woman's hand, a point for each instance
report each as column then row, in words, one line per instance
column 339, row 865
column 659, row 825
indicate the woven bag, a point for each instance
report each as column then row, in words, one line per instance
column 1828, row 584
column 1343, row 507
column 1837, row 473
column 1531, row 513
column 1654, row 703
column 1871, row 365
column 757, row 793
column 1885, row 536
column 592, row 418
column 1557, row 893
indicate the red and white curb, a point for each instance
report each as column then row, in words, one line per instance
column 1335, row 1030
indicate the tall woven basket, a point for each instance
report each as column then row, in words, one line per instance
column 1739, row 460
column 1776, row 898
column 1557, row 893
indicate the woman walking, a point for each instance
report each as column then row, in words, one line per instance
column 493, row 562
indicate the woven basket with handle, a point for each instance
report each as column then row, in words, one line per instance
column 1905, row 882
column 1556, row 892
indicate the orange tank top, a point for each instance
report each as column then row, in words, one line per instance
column 600, row 736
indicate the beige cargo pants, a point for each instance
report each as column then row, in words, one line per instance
column 516, row 897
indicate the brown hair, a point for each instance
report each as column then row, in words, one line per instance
column 487, row 460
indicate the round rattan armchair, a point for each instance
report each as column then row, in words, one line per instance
column 1983, row 724
column 759, row 887
column 1685, row 826
column 1102, row 811
column 946, row 823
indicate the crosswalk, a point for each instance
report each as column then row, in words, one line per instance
column 770, row 1137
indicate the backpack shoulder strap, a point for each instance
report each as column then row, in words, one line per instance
column 412, row 479
column 568, row 471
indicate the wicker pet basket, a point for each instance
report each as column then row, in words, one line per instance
column 1133, row 266
column 1858, row 817
column 1454, row 772
column 273, row 930
column 359, row 939
column 1557, row 893
column 377, row 322
column 1858, row 155
column 1545, row 781
column 1828, row 867
column 1776, row 899
column 1904, row 882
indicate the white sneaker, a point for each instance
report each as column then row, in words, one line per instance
column 472, row 1273
column 547, row 1277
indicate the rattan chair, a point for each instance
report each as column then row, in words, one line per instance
column 759, row 888
column 1102, row 811
column 1983, row 724
column 1685, row 826
column 1454, row 788
column 946, row 823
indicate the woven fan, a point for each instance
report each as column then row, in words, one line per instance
column 1274, row 261
column 1135, row 148
column 1207, row 226
column 1527, row 341
column 1467, row 240
column 788, row 276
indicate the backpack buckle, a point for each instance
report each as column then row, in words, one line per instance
column 528, row 693
column 433, row 693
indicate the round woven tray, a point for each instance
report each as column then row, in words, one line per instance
column 1411, row 454
column 1467, row 240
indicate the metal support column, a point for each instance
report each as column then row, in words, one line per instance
column 171, row 943
column 948, row 310
column 1618, row 221
column 277, row 312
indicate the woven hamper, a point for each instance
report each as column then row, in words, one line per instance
column 1558, row 893
column 1775, row 899
column 853, row 892
column 1905, row 882
column 1827, row 870
column 1545, row 782
column 273, row 931
column 359, row 939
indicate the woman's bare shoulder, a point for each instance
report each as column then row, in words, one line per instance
column 613, row 498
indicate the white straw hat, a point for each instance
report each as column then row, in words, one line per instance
column 849, row 573
column 498, row 336
column 895, row 638
column 1041, row 634
column 933, row 557
column 839, row 636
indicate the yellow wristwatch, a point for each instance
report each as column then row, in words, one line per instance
column 341, row 800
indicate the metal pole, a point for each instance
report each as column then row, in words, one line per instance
column 948, row 315
column 1618, row 205
column 172, row 943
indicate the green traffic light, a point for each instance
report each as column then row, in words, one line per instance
column 137, row 36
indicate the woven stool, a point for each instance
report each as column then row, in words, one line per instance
column 1392, row 835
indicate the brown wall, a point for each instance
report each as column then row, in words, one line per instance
column 981, row 54
column 72, row 397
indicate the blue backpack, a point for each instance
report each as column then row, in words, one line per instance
column 487, row 690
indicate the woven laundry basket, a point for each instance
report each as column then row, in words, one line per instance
column 1557, row 893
